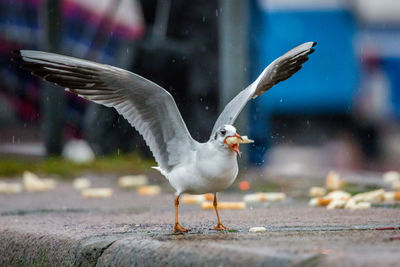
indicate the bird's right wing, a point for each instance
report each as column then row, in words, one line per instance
column 279, row 70
column 147, row 107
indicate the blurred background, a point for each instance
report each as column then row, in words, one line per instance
column 341, row 111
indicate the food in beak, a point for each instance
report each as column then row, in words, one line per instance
column 233, row 142
column 237, row 139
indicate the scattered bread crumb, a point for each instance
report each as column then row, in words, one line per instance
column 375, row 196
column 10, row 188
column 316, row 191
column 209, row 197
column 391, row 177
column 263, row 197
column 333, row 181
column 339, row 194
column 391, row 196
column 97, row 192
column 353, row 205
column 196, row 199
column 396, row 185
column 132, row 181
column 258, row 229
column 81, row 183
column 337, row 204
column 361, row 206
column 149, row 190
column 320, row 201
column 32, row 183
column 224, row 205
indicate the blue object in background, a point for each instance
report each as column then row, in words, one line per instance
column 392, row 68
column 327, row 82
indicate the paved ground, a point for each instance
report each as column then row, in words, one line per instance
column 62, row 228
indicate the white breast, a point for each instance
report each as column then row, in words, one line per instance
column 212, row 170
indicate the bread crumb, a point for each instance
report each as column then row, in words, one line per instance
column 391, row 177
column 264, row 197
column 81, row 183
column 316, row 191
column 10, row 188
column 320, row 201
column 224, row 205
column 375, row 196
column 149, row 190
column 336, row 204
column 132, row 181
column 32, row 183
column 333, row 181
column 196, row 199
column 258, row 229
column 97, row 192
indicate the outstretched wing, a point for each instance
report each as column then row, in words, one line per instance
column 146, row 106
column 279, row 70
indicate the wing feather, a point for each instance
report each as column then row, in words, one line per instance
column 147, row 107
column 279, row 70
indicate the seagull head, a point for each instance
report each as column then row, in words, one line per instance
column 226, row 136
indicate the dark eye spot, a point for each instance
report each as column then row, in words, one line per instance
column 223, row 132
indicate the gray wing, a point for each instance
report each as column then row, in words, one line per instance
column 279, row 70
column 146, row 106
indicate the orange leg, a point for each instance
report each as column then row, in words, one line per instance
column 177, row 227
column 219, row 226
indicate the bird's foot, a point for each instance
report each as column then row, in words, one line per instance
column 220, row 227
column 179, row 229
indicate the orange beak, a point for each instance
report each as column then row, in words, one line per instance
column 234, row 147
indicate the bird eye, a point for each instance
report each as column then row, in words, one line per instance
column 223, row 132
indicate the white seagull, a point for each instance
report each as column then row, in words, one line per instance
column 189, row 166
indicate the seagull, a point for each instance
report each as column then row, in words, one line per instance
column 190, row 166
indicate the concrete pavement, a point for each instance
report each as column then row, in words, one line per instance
column 62, row 228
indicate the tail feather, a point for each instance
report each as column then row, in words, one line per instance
column 156, row 168
column 160, row 170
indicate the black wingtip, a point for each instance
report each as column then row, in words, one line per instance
column 314, row 44
column 16, row 52
column 17, row 59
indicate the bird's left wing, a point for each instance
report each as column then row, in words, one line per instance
column 279, row 70
column 147, row 107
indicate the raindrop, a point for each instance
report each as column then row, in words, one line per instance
column 204, row 18
column 216, row 12
column 13, row 139
column 206, row 108
column 281, row 100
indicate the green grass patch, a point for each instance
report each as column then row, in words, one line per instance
column 354, row 189
column 120, row 164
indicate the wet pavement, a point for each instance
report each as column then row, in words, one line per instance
column 60, row 227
